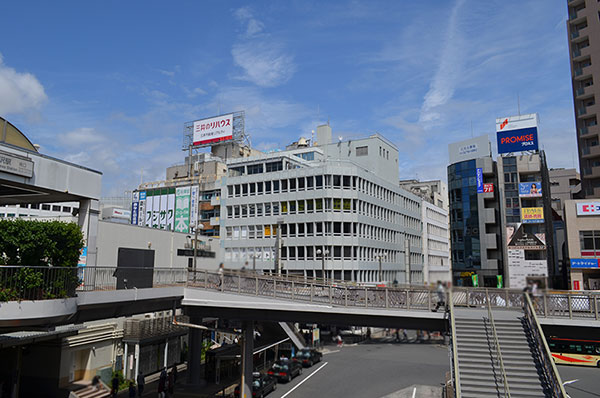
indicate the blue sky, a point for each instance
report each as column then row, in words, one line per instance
column 110, row 84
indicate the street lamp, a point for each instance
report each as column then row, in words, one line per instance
column 254, row 255
column 197, row 227
column 323, row 254
column 380, row 257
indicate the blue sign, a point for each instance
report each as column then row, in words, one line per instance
column 142, row 195
column 517, row 140
column 134, row 213
column 585, row 263
column 530, row 189
column 479, row 176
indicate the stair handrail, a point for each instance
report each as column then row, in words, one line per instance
column 454, row 349
column 497, row 343
column 550, row 369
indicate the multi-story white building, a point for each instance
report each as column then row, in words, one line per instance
column 335, row 206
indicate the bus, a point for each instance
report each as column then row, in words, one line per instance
column 575, row 352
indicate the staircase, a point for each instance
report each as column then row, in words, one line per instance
column 91, row 392
column 479, row 364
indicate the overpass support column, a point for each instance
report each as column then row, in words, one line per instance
column 195, row 337
column 247, row 359
column 88, row 222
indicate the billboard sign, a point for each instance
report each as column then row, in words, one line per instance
column 517, row 133
column 182, row 209
column 479, row 178
column 532, row 215
column 530, row 189
column 213, row 130
column 473, row 148
column 585, row 263
column 134, row 212
column 488, row 188
column 519, row 268
column 588, row 209
column 517, row 238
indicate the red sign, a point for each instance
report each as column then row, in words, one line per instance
column 576, row 285
column 504, row 123
column 488, row 188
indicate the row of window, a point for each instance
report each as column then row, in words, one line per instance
column 436, row 245
column 436, row 216
column 589, row 240
column 43, row 206
column 437, row 231
column 309, row 229
column 316, row 253
column 322, row 205
column 319, row 182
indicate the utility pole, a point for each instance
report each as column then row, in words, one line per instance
column 278, row 247
column 407, row 258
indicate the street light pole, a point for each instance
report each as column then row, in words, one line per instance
column 323, row 253
column 254, row 262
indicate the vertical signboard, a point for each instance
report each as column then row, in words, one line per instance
column 194, row 205
column 170, row 209
column 156, row 209
column 142, row 209
column 149, row 208
column 164, row 202
column 135, row 205
column 182, row 209
column 479, row 177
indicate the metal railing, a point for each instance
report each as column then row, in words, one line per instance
column 551, row 374
column 498, row 351
column 38, row 283
column 455, row 368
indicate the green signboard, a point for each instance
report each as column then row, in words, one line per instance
column 182, row 209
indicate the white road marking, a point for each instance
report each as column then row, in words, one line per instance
column 308, row 377
column 330, row 352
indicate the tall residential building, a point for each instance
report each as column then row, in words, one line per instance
column 475, row 231
column 436, row 228
column 583, row 27
column 332, row 210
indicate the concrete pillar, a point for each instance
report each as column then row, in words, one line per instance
column 88, row 222
column 194, row 373
column 247, row 359
column 125, row 363
column 166, row 362
column 137, row 360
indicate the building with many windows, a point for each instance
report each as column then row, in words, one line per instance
column 332, row 210
column 583, row 27
column 583, row 243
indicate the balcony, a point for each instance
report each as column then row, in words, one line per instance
column 489, row 216
column 581, row 111
column 590, row 151
column 583, row 130
column 582, row 73
column 579, row 92
column 575, row 34
column 576, row 53
column 490, row 241
column 215, row 201
column 214, row 221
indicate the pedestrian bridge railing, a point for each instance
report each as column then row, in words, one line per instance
column 38, row 283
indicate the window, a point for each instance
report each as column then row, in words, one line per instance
column 284, row 185
column 275, row 186
column 55, row 208
column 274, row 166
column 255, row 168
column 319, row 182
column 309, row 182
column 362, row 151
column 44, row 207
column 267, row 186
column 590, row 243
column 267, row 209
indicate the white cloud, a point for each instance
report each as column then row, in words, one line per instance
column 82, row 136
column 193, row 93
column 264, row 62
column 449, row 70
column 262, row 58
column 19, row 92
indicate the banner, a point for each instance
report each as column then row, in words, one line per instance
column 170, row 210
column 142, row 211
column 194, row 205
column 488, row 188
column 585, row 263
column 479, row 177
column 530, row 189
column 134, row 212
column 532, row 215
column 156, row 209
column 182, row 209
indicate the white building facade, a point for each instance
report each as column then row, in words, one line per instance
column 436, row 243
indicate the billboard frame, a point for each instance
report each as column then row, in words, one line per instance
column 239, row 126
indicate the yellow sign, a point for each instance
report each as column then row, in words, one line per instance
column 267, row 230
column 532, row 215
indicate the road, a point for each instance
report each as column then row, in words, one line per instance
column 369, row 370
column 588, row 384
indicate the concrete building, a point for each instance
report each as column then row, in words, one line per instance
column 436, row 228
column 475, row 226
column 434, row 191
column 565, row 184
column 583, row 27
column 526, row 218
column 583, row 243
column 335, row 207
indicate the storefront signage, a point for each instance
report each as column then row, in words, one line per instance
column 532, row 215
column 530, row 189
column 479, row 177
column 585, row 263
column 12, row 164
column 588, row 209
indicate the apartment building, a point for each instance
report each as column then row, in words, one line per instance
column 583, row 27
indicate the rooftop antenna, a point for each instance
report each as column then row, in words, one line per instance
column 471, row 128
column 518, row 104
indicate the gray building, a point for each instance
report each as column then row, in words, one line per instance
column 433, row 191
column 565, row 184
column 583, row 27
column 335, row 207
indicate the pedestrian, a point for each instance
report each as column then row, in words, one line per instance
column 220, row 271
column 171, row 384
column 162, row 384
column 441, row 293
column 174, row 370
column 368, row 333
column 114, row 386
column 96, row 383
column 131, row 389
column 141, row 382
column 339, row 340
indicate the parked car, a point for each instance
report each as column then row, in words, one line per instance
column 309, row 356
column 285, row 369
column 261, row 385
